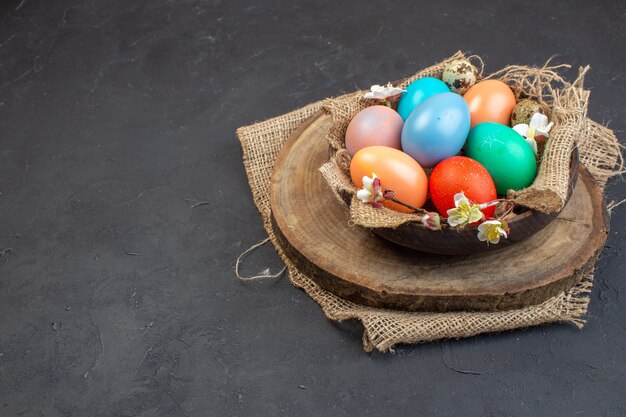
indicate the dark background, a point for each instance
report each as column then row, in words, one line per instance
column 117, row 298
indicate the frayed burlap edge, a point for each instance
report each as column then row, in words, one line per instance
column 336, row 171
column 567, row 103
column 383, row 329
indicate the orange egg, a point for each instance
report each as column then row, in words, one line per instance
column 490, row 101
column 396, row 170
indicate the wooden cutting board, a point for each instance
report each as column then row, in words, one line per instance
column 353, row 263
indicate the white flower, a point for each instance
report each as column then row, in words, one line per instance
column 372, row 192
column 492, row 230
column 465, row 213
column 383, row 93
column 538, row 126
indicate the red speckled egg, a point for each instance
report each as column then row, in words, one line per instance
column 396, row 170
column 374, row 126
column 456, row 174
column 490, row 101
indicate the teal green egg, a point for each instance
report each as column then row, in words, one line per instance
column 504, row 153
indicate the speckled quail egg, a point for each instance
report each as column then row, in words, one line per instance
column 524, row 110
column 459, row 75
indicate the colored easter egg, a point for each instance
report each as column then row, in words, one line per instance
column 396, row 170
column 505, row 154
column 460, row 174
column 417, row 92
column 374, row 126
column 490, row 101
column 436, row 129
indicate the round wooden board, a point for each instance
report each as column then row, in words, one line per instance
column 351, row 262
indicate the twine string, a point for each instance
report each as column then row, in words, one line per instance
column 265, row 274
column 600, row 152
column 480, row 61
column 613, row 204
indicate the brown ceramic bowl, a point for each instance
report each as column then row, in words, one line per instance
column 450, row 241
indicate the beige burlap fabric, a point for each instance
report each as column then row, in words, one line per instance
column 261, row 143
column 567, row 103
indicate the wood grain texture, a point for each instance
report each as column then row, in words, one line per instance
column 312, row 227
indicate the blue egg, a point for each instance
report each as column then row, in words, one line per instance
column 436, row 129
column 418, row 91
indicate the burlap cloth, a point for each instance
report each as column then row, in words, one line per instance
column 599, row 151
column 567, row 107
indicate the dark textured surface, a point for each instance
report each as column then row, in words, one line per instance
column 117, row 296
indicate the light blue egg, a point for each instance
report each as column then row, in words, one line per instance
column 418, row 91
column 436, row 129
